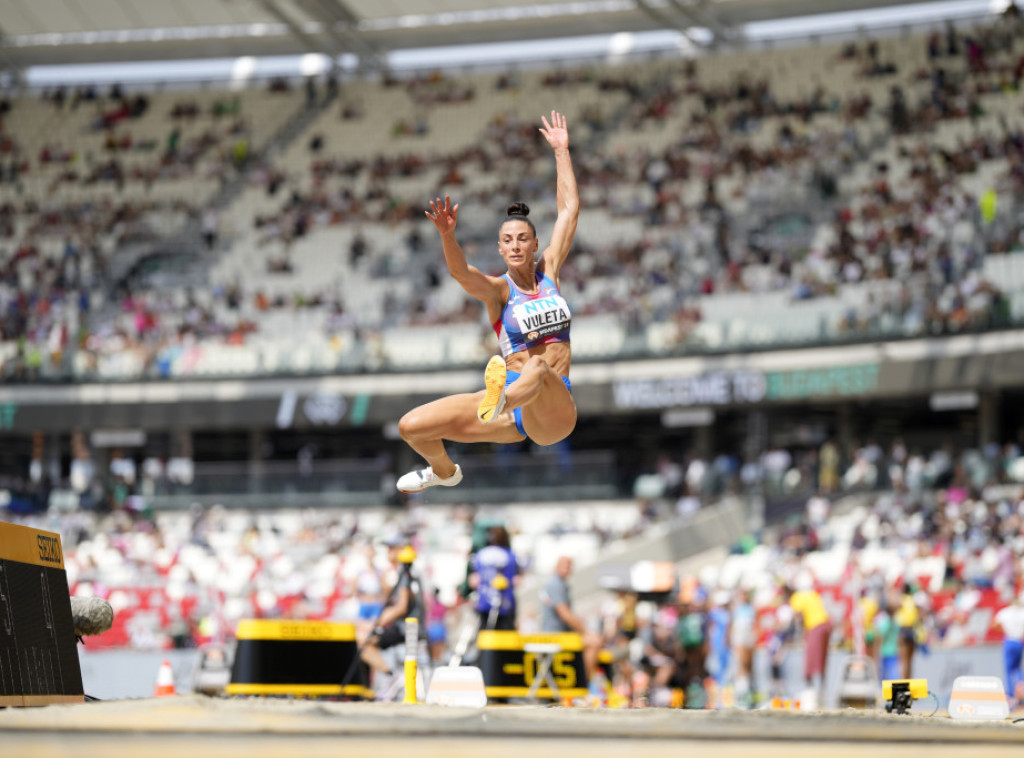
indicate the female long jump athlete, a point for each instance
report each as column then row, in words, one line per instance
column 527, row 391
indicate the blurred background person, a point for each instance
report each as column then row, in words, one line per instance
column 813, row 619
column 494, row 577
column 1009, row 621
column 557, row 614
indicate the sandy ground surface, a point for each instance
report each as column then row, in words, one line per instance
column 136, row 745
column 194, row 726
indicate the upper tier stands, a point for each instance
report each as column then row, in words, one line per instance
column 83, row 177
column 157, row 146
column 754, row 198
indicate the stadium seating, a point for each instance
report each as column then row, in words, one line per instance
column 326, row 239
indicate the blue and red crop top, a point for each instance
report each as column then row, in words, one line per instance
column 531, row 320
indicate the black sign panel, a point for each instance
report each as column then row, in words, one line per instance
column 38, row 659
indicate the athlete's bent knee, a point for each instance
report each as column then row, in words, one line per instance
column 409, row 425
column 537, row 363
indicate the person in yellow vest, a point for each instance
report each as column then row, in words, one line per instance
column 868, row 611
column 812, row 615
column 908, row 619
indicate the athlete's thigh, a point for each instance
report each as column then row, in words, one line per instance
column 551, row 417
column 454, row 418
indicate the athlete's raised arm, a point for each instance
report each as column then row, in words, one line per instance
column 567, row 195
column 473, row 280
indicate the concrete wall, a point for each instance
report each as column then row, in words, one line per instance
column 119, row 674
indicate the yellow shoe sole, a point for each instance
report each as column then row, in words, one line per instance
column 494, row 382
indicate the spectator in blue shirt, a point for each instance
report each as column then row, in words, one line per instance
column 494, row 576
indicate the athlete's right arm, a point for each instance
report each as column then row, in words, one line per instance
column 473, row 280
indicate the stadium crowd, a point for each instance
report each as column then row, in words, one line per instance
column 936, row 538
column 901, row 208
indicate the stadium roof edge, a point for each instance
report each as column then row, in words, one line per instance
column 47, row 32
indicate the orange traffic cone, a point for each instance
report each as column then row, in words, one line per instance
column 164, row 680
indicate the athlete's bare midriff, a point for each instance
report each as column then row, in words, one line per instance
column 557, row 354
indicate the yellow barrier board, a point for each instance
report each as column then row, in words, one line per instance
column 291, row 629
column 297, row 658
column 510, row 670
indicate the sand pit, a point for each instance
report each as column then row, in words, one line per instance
column 195, row 726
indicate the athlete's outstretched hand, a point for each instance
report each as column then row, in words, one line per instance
column 445, row 215
column 557, row 132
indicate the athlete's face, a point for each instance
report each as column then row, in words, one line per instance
column 517, row 243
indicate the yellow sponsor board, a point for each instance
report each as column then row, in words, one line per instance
column 292, row 629
column 23, row 544
column 497, row 639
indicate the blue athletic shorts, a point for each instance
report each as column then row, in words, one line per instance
column 511, row 376
column 436, row 631
column 370, row 611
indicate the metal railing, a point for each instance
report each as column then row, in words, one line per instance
column 503, row 477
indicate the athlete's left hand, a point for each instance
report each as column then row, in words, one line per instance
column 445, row 215
column 556, row 132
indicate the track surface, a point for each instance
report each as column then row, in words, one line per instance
column 196, row 727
